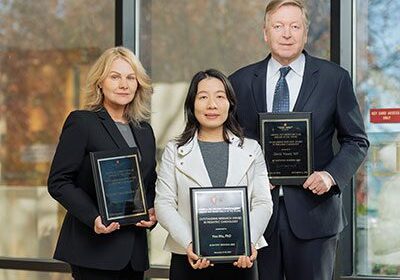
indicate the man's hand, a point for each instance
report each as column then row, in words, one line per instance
column 152, row 220
column 319, row 182
column 99, row 228
column 195, row 261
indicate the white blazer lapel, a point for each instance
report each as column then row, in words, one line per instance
column 240, row 160
column 190, row 162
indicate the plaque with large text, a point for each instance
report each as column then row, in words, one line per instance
column 287, row 142
column 119, row 186
column 220, row 223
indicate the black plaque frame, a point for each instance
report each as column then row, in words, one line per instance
column 295, row 126
column 220, row 225
column 127, row 180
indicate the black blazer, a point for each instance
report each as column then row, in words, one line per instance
column 327, row 92
column 71, row 183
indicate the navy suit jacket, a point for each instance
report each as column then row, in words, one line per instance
column 71, row 183
column 327, row 92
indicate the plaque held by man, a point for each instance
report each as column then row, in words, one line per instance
column 220, row 223
column 119, row 186
column 287, row 142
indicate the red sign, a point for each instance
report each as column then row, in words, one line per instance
column 388, row 115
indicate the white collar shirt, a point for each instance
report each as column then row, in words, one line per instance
column 294, row 80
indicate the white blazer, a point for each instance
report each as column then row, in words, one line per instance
column 182, row 168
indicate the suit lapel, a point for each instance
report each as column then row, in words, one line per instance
column 259, row 86
column 139, row 138
column 191, row 163
column 310, row 80
column 112, row 129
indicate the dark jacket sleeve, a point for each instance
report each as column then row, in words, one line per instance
column 67, row 160
column 350, row 134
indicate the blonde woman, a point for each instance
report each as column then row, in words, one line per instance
column 116, row 115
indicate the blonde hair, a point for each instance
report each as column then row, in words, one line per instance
column 274, row 5
column 136, row 111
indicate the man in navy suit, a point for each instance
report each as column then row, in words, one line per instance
column 307, row 219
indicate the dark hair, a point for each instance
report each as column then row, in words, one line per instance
column 192, row 124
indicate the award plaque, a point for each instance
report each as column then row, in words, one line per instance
column 119, row 186
column 220, row 223
column 287, row 142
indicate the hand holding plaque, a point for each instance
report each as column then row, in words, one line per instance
column 287, row 142
column 119, row 187
column 220, row 223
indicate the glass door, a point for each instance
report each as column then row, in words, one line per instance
column 377, row 191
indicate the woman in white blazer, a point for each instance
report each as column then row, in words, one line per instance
column 211, row 149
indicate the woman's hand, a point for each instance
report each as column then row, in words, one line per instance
column 245, row 261
column 195, row 261
column 99, row 228
column 151, row 222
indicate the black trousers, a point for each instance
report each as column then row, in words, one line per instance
column 181, row 270
column 293, row 258
column 84, row 273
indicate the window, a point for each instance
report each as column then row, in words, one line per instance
column 377, row 193
column 46, row 48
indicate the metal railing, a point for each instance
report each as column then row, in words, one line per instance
column 50, row 265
